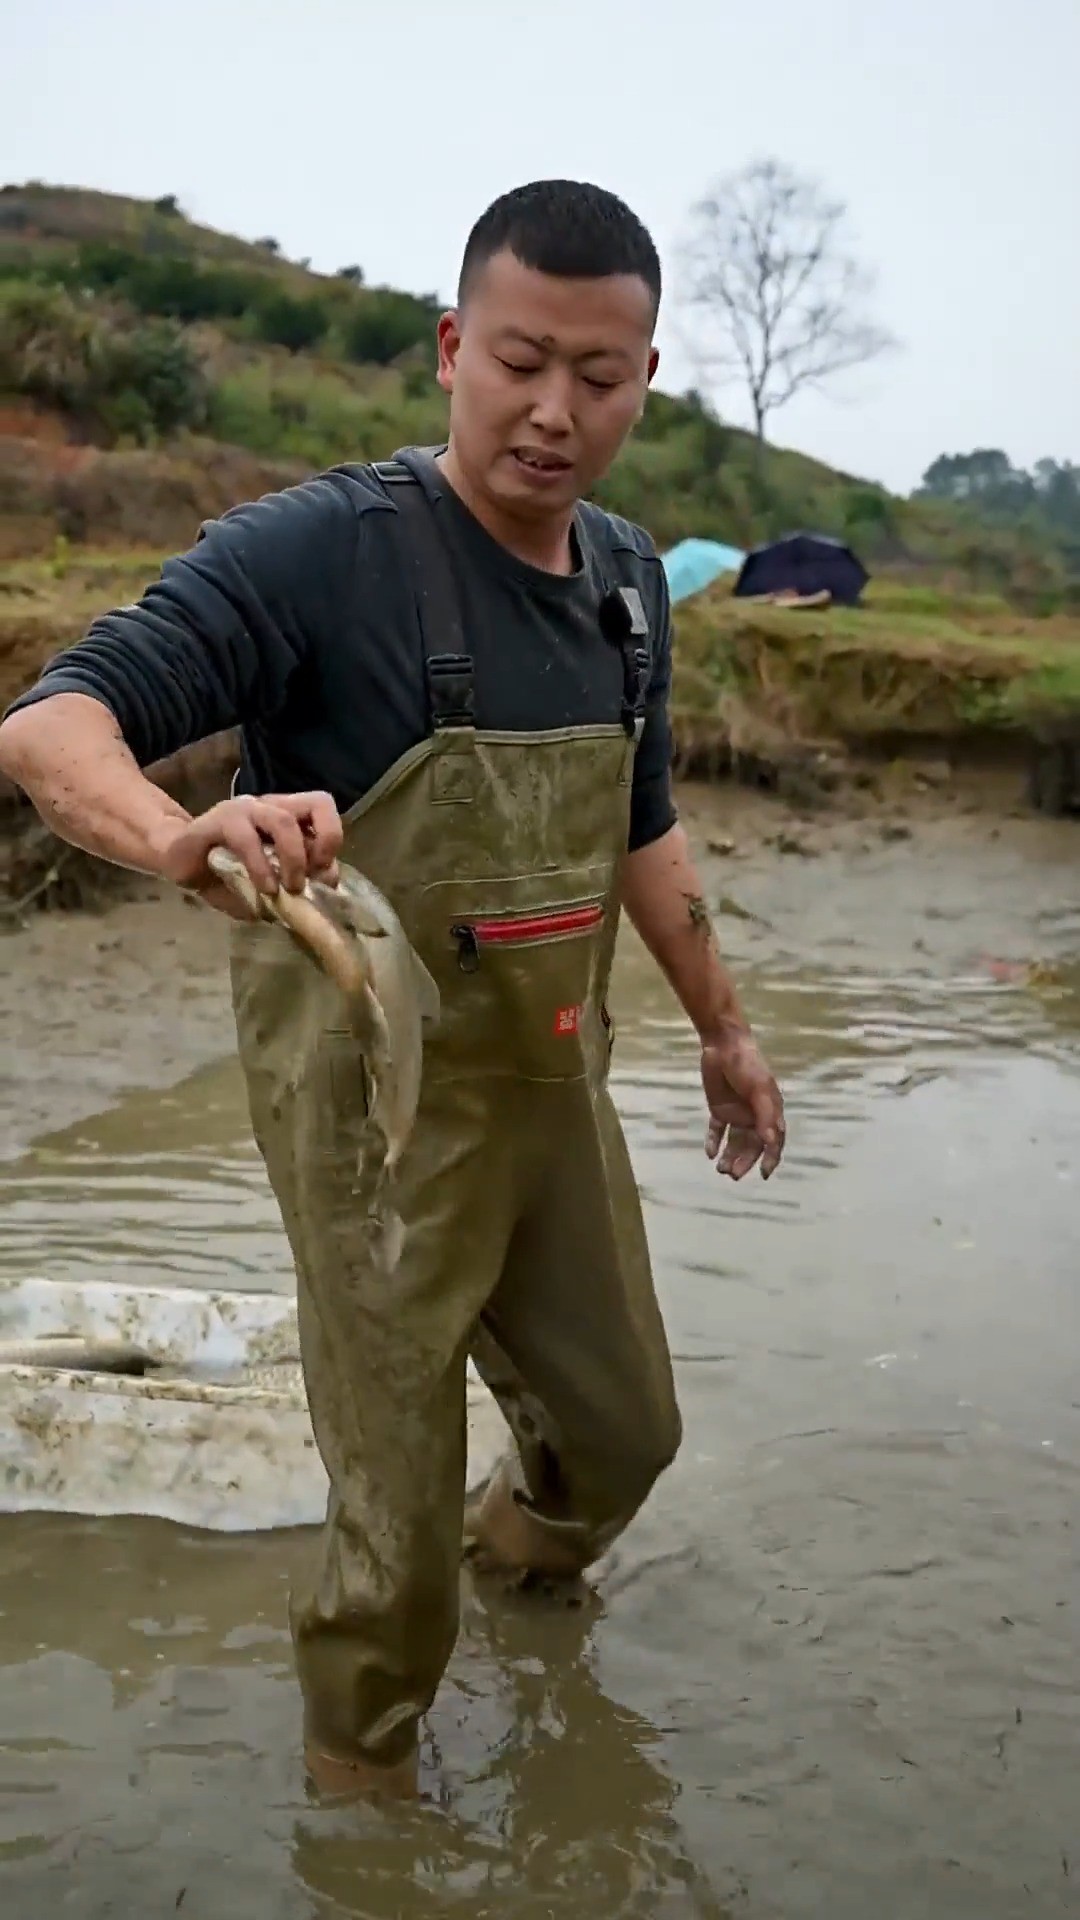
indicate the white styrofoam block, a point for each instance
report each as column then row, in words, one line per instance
column 232, row 1456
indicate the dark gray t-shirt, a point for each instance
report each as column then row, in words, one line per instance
column 294, row 618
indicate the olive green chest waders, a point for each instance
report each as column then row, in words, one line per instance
column 524, row 1241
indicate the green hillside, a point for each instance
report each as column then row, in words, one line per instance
column 153, row 372
column 141, row 330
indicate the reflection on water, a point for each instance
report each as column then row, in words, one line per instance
column 831, row 1670
column 166, row 1186
column 170, row 1183
column 542, row 1786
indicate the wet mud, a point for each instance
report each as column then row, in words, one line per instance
column 832, row 1668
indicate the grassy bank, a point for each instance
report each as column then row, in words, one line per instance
column 787, row 698
column 910, row 661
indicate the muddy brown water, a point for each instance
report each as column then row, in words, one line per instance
column 833, row 1668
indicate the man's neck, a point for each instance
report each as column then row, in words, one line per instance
column 545, row 544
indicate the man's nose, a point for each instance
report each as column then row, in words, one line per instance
column 551, row 409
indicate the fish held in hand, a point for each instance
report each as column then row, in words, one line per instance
column 301, row 915
column 402, row 990
column 352, row 932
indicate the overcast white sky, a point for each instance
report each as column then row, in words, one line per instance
column 376, row 130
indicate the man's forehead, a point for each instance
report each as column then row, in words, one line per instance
column 554, row 311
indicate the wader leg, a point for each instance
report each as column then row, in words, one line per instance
column 384, row 1354
column 573, row 1346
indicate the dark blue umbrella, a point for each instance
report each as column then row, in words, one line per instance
column 803, row 563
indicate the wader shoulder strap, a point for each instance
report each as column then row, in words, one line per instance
column 448, row 665
column 623, row 619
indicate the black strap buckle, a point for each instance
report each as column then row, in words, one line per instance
column 392, row 473
column 624, row 622
column 453, row 695
column 448, row 667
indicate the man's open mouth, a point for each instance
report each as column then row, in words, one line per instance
column 536, row 462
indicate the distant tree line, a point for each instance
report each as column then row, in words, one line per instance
column 1046, row 498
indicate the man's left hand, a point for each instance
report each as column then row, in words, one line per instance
column 746, row 1107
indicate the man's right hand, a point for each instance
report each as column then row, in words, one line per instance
column 304, row 830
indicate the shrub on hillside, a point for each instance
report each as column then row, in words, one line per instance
column 663, row 485
column 384, row 324
column 321, row 418
column 172, row 285
column 179, row 288
column 114, row 378
column 157, row 382
column 47, row 342
column 285, row 321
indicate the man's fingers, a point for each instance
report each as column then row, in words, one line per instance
column 746, row 1114
column 770, row 1159
column 282, row 828
column 731, row 1113
column 323, row 832
column 772, row 1126
column 725, row 1114
column 741, row 1154
column 316, row 843
column 280, row 839
column 768, row 1111
column 238, row 832
column 750, row 1132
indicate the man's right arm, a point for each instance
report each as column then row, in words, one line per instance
column 214, row 642
column 69, row 755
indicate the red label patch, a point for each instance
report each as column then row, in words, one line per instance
column 568, row 1019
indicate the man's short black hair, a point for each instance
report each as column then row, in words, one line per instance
column 566, row 228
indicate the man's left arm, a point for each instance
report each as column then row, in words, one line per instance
column 663, row 897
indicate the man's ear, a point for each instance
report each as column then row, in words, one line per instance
column 448, row 336
column 654, row 362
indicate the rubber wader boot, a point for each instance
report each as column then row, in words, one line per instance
column 524, row 1240
column 356, row 1779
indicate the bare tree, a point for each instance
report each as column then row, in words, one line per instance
column 772, row 297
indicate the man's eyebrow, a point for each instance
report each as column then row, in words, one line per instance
column 526, row 339
column 545, row 344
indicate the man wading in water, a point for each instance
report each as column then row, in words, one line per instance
column 452, row 672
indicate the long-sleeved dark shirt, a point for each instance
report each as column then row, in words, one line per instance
column 294, row 619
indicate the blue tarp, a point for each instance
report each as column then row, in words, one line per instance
column 695, row 564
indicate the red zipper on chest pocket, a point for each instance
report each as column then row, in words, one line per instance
column 522, row 930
